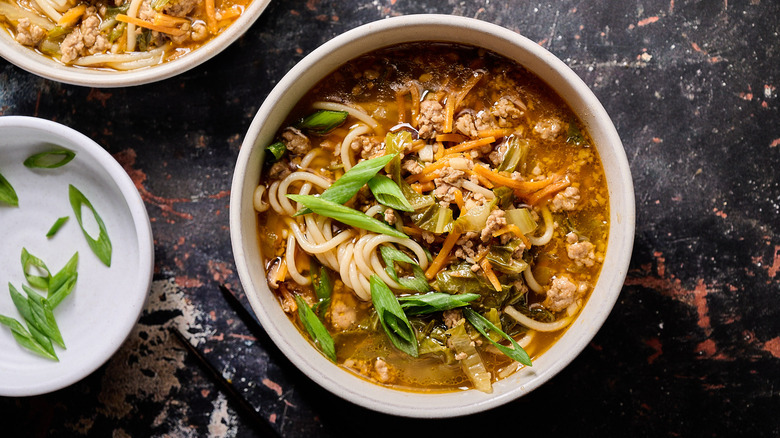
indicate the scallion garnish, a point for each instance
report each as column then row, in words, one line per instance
column 322, row 285
column 274, row 152
column 483, row 325
column 26, row 339
column 311, row 322
column 30, row 261
column 100, row 246
column 56, row 226
column 62, row 283
column 353, row 180
column 50, row 159
column 387, row 192
column 323, row 121
column 7, row 192
column 346, row 215
column 391, row 256
column 434, row 302
column 43, row 316
column 393, row 318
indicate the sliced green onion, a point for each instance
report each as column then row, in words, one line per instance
column 483, row 325
column 100, row 246
column 391, row 256
column 56, row 226
column 316, row 329
column 274, row 152
column 7, row 192
column 26, row 339
column 387, row 192
column 43, row 315
column 434, row 302
column 574, row 135
column 346, row 215
column 393, row 318
column 395, row 143
column 63, row 282
column 50, row 159
column 353, row 180
column 36, row 281
column 322, row 285
column 323, row 121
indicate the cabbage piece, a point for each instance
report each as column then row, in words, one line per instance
column 461, row 279
column 522, row 218
column 501, row 258
column 516, row 153
column 475, row 218
column 472, row 364
column 435, row 218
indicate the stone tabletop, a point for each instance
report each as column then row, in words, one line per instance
column 692, row 347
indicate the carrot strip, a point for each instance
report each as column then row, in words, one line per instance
column 514, row 229
column 400, row 102
column 72, row 15
column 467, row 88
column 281, row 271
column 438, row 262
column 450, row 112
column 412, row 230
column 211, row 16
column 491, row 276
column 145, row 24
column 459, row 199
column 161, row 19
column 469, row 145
column 231, row 13
column 427, row 187
column 552, row 188
column 452, row 137
column 498, row 132
column 520, row 186
column 415, row 103
column 417, row 187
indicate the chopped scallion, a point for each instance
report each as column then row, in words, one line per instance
column 323, row 121
column 50, row 159
column 346, row 215
column 100, row 246
column 56, row 226
column 7, row 192
column 316, row 329
column 393, row 318
column 434, row 302
column 483, row 325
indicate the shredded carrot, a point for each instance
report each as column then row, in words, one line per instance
column 514, row 229
column 523, row 187
column 418, row 145
column 491, row 276
column 427, row 187
column 417, row 187
column 467, row 87
column 439, row 152
column 71, row 16
column 550, row 189
column 459, row 199
column 400, row 99
column 415, row 103
column 498, row 132
column 429, row 177
column 161, row 19
column 211, row 16
column 469, row 145
column 281, row 271
column 231, row 13
column 145, row 24
column 451, row 137
column 412, row 230
column 481, row 254
column 438, row 262
column 449, row 112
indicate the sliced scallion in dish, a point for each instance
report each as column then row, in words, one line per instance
column 56, row 226
column 393, row 318
column 483, row 326
column 50, row 159
column 316, row 329
column 30, row 262
column 349, row 216
column 323, row 121
column 434, row 302
column 7, row 192
column 100, row 246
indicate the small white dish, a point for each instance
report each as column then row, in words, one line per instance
column 41, row 65
column 106, row 302
column 452, row 29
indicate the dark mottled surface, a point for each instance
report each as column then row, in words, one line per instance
column 692, row 347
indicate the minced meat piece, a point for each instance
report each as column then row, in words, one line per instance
column 390, row 216
column 431, row 119
column 581, row 252
column 450, row 175
column 548, row 128
column 342, row 311
column 412, row 166
column 562, row 294
column 368, row 146
column 85, row 39
column 507, row 113
column 452, row 317
column 29, row 34
column 279, row 170
column 465, row 125
column 382, row 371
column 565, row 200
column 180, row 8
column 296, row 141
column 495, row 221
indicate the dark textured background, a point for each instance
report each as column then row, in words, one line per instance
column 692, row 347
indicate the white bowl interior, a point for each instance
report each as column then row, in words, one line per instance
column 106, row 302
column 243, row 220
column 36, row 63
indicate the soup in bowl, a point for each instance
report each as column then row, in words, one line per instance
column 435, row 224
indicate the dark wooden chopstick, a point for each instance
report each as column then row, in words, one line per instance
column 259, row 423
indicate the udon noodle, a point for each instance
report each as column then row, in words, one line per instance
column 437, row 211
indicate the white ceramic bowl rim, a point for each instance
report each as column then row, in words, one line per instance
column 136, row 283
column 38, row 64
column 329, row 56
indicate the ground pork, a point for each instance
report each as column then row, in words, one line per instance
column 506, row 113
column 382, row 371
column 29, row 34
column 390, row 216
column 412, row 166
column 368, row 146
column 180, row 8
column 431, row 119
column 581, row 252
column 548, row 129
column 296, row 141
column 562, row 294
column 85, row 39
column 565, row 200
column 342, row 311
column 448, row 184
column 465, row 125
column 279, row 170
column 495, row 221
column 452, row 317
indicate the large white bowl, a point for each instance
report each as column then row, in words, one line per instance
column 243, row 220
column 36, row 63
column 106, row 302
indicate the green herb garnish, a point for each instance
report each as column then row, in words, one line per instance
column 7, row 192
column 322, row 285
column 434, row 302
column 346, row 215
column 316, row 329
column 63, row 282
column 353, row 180
column 393, row 318
column 483, row 325
column 26, row 339
column 387, row 192
column 43, row 315
column 50, row 159
column 277, row 151
column 323, row 121
column 36, row 281
column 100, row 246
column 56, row 226
column 391, row 256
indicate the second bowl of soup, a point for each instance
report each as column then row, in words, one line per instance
column 432, row 225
